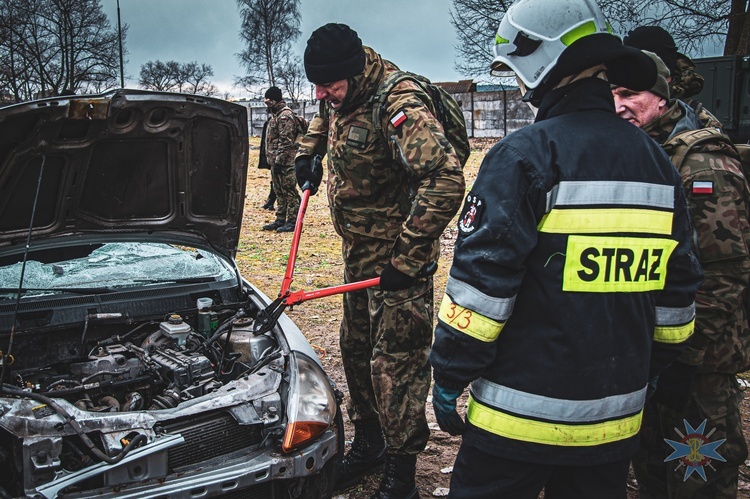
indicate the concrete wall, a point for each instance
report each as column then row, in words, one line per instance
column 488, row 114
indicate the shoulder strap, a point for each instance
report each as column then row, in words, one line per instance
column 380, row 98
column 679, row 146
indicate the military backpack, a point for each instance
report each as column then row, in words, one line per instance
column 447, row 110
column 679, row 146
column 302, row 124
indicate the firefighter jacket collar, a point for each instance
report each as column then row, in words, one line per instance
column 582, row 95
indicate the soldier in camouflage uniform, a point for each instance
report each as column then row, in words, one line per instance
column 701, row 385
column 684, row 82
column 389, row 201
column 280, row 149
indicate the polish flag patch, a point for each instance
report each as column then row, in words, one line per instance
column 703, row 187
column 398, row 119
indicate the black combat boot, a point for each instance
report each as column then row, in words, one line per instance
column 287, row 227
column 398, row 478
column 366, row 456
column 273, row 225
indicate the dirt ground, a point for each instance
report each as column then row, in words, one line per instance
column 262, row 257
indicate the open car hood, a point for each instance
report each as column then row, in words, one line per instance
column 126, row 161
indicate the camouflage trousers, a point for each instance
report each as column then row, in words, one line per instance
column 385, row 338
column 715, row 399
column 287, row 197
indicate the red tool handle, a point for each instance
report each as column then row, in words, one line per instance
column 301, row 296
column 289, row 274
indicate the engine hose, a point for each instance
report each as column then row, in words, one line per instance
column 227, row 324
column 70, row 420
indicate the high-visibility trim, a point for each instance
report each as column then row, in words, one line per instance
column 468, row 321
column 599, row 264
column 467, row 295
column 606, row 221
column 565, row 411
column 672, row 316
column 585, row 29
column 540, row 432
column 674, row 334
column 610, row 193
column 499, row 40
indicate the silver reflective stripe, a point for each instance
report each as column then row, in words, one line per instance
column 668, row 316
column 570, row 411
column 582, row 193
column 469, row 297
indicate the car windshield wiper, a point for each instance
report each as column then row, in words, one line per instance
column 81, row 291
column 180, row 280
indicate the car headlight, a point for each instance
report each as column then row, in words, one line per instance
column 312, row 403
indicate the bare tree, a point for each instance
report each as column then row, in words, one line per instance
column 268, row 29
column 51, row 46
column 290, row 74
column 158, row 75
column 692, row 23
column 476, row 22
column 172, row 76
column 196, row 78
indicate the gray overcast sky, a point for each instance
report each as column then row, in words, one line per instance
column 414, row 34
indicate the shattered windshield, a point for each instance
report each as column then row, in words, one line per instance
column 112, row 266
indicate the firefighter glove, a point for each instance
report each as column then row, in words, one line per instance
column 674, row 385
column 309, row 173
column 392, row 279
column 444, row 403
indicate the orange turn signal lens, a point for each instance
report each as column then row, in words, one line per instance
column 299, row 432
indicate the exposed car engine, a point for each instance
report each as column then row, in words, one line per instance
column 166, row 374
column 165, row 369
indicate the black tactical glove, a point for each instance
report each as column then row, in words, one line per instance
column 309, row 172
column 392, row 279
column 444, row 403
column 674, row 385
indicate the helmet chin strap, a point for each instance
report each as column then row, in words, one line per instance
column 527, row 96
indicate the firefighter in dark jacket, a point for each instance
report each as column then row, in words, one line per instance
column 573, row 280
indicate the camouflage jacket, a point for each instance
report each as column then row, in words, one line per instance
column 395, row 197
column 280, row 136
column 719, row 200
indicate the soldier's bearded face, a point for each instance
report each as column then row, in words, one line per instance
column 333, row 92
column 639, row 108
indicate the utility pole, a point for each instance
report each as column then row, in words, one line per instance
column 119, row 37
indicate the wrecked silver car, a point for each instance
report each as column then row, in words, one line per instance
column 130, row 365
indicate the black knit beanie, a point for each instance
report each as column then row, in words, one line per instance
column 273, row 93
column 334, row 52
column 654, row 39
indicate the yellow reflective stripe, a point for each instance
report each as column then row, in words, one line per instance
column 541, row 432
column 674, row 334
column 601, row 264
column 499, row 40
column 606, row 220
column 468, row 321
column 574, row 34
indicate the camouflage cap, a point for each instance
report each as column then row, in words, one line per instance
column 661, row 87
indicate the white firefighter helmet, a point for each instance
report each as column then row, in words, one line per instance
column 533, row 34
column 543, row 41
